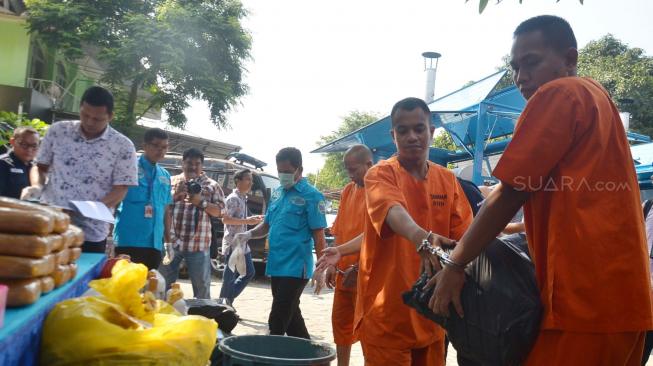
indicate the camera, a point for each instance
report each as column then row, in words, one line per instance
column 193, row 187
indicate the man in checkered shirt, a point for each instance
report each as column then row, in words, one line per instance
column 190, row 236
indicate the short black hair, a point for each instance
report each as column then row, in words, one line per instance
column 241, row 174
column 98, row 96
column 409, row 104
column 193, row 153
column 154, row 133
column 291, row 155
column 556, row 31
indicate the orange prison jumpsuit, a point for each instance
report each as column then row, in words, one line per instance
column 584, row 225
column 348, row 224
column 391, row 333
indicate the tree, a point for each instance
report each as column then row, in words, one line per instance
column 172, row 49
column 626, row 73
column 333, row 174
column 443, row 140
column 483, row 3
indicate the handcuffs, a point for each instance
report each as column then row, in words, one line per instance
column 444, row 257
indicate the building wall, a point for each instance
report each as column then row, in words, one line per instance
column 14, row 48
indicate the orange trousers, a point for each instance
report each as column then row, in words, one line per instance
column 432, row 355
column 342, row 317
column 556, row 347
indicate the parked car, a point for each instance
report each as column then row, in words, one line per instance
column 222, row 171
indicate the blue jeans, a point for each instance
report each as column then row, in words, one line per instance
column 199, row 271
column 233, row 283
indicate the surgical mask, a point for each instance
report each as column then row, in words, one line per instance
column 287, row 180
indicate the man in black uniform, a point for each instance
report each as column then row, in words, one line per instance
column 16, row 164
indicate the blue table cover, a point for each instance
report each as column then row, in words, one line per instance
column 20, row 337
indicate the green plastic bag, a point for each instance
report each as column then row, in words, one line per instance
column 123, row 327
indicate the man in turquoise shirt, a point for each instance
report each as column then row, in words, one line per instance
column 142, row 219
column 295, row 222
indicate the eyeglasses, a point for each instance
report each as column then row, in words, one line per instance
column 27, row 146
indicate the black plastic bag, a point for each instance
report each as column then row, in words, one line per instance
column 501, row 303
column 224, row 315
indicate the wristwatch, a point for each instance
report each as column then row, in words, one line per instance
column 204, row 204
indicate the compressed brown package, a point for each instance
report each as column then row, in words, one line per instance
column 73, row 270
column 22, row 292
column 47, row 284
column 22, row 267
column 61, row 275
column 28, row 245
column 75, row 253
column 68, row 238
column 60, row 219
column 57, row 241
column 19, row 221
column 62, row 256
column 79, row 235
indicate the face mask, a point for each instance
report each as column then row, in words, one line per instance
column 287, row 180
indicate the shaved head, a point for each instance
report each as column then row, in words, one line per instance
column 359, row 153
column 358, row 159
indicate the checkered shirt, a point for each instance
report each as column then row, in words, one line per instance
column 191, row 226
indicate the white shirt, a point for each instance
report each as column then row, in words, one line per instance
column 83, row 169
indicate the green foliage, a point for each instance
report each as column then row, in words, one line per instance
column 443, row 140
column 9, row 121
column 482, row 4
column 172, row 49
column 333, row 174
column 627, row 73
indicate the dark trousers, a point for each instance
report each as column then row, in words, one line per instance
column 94, row 246
column 285, row 316
column 648, row 346
column 150, row 257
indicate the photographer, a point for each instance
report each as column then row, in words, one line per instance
column 196, row 198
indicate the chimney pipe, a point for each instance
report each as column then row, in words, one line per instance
column 431, row 67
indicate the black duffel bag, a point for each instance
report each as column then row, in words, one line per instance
column 224, row 315
column 501, row 302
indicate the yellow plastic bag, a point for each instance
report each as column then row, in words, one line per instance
column 123, row 327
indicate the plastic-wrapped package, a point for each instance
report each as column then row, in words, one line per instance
column 121, row 327
column 73, row 270
column 61, row 275
column 23, row 291
column 62, row 256
column 78, row 236
column 18, row 221
column 501, row 302
column 60, row 220
column 22, row 267
column 75, row 253
column 27, row 245
column 47, row 284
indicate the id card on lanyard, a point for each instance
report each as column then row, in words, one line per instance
column 149, row 209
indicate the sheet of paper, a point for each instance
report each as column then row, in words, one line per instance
column 94, row 210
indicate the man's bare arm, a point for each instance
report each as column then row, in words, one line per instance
column 38, row 174
column 115, row 196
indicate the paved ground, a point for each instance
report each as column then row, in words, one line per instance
column 253, row 306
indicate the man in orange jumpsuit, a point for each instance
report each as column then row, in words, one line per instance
column 409, row 200
column 569, row 162
column 348, row 225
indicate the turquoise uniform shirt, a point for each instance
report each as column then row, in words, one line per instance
column 292, row 216
column 132, row 228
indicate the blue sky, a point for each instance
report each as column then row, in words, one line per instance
column 314, row 61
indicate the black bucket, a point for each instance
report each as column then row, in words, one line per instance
column 260, row 350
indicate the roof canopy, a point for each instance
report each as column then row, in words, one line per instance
column 479, row 119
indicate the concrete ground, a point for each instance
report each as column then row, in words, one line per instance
column 253, row 306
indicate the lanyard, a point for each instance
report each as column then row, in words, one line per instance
column 149, row 179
